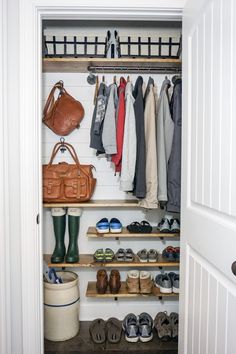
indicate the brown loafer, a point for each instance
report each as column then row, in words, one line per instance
column 102, row 281
column 114, row 281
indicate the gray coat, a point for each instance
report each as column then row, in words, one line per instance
column 98, row 119
column 174, row 166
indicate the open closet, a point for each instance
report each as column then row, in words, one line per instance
column 76, row 52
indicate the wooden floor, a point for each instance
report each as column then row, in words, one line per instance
column 82, row 343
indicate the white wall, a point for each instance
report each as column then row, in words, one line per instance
column 107, row 188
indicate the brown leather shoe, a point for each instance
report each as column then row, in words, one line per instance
column 114, row 281
column 102, row 281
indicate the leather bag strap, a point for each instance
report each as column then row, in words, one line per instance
column 72, row 152
column 50, row 101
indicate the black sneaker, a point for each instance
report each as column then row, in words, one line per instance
column 145, row 327
column 130, row 327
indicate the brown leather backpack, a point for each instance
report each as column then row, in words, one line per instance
column 64, row 114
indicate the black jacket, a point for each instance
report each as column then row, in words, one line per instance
column 140, row 168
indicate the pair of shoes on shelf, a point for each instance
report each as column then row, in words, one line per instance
column 167, row 326
column 109, row 330
column 167, row 283
column 139, row 282
column 103, row 281
column 171, row 253
column 104, row 226
column 169, row 226
column 142, row 227
column 123, row 255
column 138, row 327
column 101, row 255
column 147, row 256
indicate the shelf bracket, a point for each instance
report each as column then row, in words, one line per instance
column 115, row 298
column 160, row 297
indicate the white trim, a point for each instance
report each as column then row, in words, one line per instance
column 5, row 308
column 29, row 85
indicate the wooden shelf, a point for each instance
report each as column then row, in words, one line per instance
column 87, row 261
column 92, row 232
column 92, row 292
column 113, row 203
column 82, row 64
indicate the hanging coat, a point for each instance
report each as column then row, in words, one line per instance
column 129, row 144
column 109, row 126
column 174, row 166
column 165, row 130
column 140, row 167
column 98, row 118
column 117, row 158
column 150, row 201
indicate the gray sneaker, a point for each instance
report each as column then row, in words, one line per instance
column 174, row 225
column 130, row 327
column 152, row 255
column 174, row 321
column 164, row 226
column 145, row 327
column 163, row 326
column 163, row 282
column 143, row 255
column 175, row 282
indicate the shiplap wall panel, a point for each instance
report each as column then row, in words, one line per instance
column 107, row 188
column 213, row 294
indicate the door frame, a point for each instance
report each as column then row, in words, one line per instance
column 29, row 82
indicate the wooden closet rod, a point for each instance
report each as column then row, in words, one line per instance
column 153, row 69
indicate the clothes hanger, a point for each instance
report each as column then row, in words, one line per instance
column 103, row 79
column 114, row 79
column 128, row 79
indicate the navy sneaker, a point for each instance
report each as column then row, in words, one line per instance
column 115, row 226
column 131, row 328
column 145, row 327
column 102, row 226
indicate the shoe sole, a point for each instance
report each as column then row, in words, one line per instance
column 116, row 231
column 164, row 290
column 152, row 260
column 132, row 339
column 142, row 260
column 146, row 339
column 176, row 290
column 102, row 231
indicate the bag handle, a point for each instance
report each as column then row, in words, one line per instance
column 69, row 147
column 72, row 152
column 50, row 101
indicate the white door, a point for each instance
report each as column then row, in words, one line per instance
column 208, row 301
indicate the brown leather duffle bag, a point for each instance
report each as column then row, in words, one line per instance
column 64, row 114
column 63, row 182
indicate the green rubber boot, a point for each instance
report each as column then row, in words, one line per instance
column 72, row 255
column 59, row 226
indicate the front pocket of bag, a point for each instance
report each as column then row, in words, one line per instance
column 52, row 188
column 76, row 187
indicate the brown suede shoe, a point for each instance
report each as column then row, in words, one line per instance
column 102, row 281
column 146, row 282
column 114, row 281
column 132, row 282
